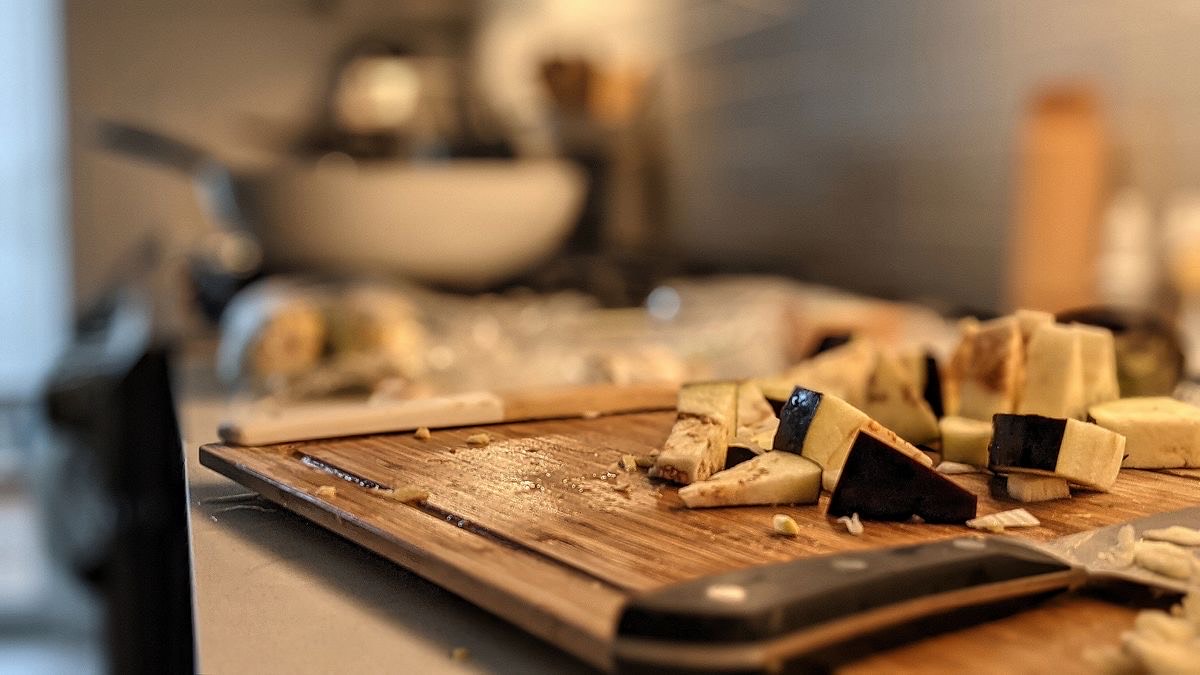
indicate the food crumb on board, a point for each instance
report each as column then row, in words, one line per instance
column 459, row 654
column 590, row 414
column 996, row 522
column 621, row 485
column 853, row 525
column 422, row 434
column 408, row 494
column 785, row 525
column 480, row 438
column 629, row 462
column 955, row 468
column 326, row 491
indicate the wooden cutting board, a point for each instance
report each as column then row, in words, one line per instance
column 536, row 528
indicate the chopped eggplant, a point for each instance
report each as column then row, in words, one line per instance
column 1081, row 453
column 932, row 389
column 965, row 440
column 1054, row 384
column 1029, row 320
column 894, row 401
column 821, row 427
column 753, row 408
column 842, row 371
column 881, row 483
column 1160, row 432
column 704, row 425
column 784, row 524
column 1025, row 487
column 751, row 442
column 1099, row 352
column 771, row 478
column 986, row 370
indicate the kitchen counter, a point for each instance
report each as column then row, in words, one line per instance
column 275, row 593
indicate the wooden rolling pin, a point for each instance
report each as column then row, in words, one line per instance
column 308, row 421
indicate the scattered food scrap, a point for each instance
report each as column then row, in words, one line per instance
column 853, row 525
column 996, row 522
column 422, row 434
column 326, row 491
column 478, row 439
column 629, row 462
column 785, row 525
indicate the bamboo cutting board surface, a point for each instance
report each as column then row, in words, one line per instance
column 536, row 528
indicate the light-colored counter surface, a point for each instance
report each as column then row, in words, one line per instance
column 277, row 594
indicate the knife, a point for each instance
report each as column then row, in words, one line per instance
column 810, row 614
column 329, row 419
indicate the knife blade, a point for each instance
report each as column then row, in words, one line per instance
column 807, row 614
column 330, row 419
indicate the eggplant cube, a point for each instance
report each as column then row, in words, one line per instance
column 822, row 428
column 1081, row 453
column 881, row 483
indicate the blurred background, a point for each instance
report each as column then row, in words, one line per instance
column 518, row 165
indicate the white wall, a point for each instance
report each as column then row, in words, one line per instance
column 34, row 261
column 873, row 144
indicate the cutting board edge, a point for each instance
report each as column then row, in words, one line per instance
column 586, row 643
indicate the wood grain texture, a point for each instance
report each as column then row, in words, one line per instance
column 556, row 402
column 543, row 528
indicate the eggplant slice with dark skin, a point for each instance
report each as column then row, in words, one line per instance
column 879, row 482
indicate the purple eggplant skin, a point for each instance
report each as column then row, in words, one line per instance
column 998, row 487
column 795, row 419
column 933, row 387
column 738, row 454
column 1025, row 441
column 879, row 482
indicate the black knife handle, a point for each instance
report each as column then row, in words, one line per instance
column 782, row 616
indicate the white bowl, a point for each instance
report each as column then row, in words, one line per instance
column 462, row 223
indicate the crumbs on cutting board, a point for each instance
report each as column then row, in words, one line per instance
column 785, row 525
column 853, row 524
column 327, row 491
column 407, row 494
column 481, row 438
column 422, row 434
